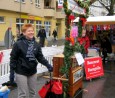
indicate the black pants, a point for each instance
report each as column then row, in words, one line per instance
column 42, row 41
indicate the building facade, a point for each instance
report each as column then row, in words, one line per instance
column 45, row 13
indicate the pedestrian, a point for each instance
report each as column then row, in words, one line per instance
column 84, row 41
column 13, row 40
column 25, row 55
column 54, row 34
column 42, row 35
column 106, row 47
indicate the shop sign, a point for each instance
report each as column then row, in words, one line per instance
column 72, row 5
column 31, row 17
column 60, row 3
column 93, row 67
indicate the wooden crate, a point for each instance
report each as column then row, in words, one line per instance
column 75, row 79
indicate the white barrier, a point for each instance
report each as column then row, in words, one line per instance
column 48, row 52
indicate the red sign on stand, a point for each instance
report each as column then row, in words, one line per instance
column 93, row 67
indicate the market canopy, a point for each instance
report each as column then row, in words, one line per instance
column 99, row 20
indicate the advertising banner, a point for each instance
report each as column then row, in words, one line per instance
column 60, row 3
column 93, row 67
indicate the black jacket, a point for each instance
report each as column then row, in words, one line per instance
column 20, row 63
column 42, row 33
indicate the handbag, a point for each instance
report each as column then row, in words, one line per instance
column 44, row 90
column 57, row 87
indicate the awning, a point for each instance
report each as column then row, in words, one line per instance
column 99, row 20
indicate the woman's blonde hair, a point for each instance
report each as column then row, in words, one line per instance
column 26, row 26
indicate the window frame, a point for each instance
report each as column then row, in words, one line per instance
column 3, row 19
column 37, row 3
column 29, row 21
column 19, row 1
column 20, row 23
column 47, row 25
column 31, row 1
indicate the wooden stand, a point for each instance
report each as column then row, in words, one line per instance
column 75, row 73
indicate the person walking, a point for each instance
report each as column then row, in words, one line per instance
column 54, row 34
column 42, row 35
column 24, row 57
column 106, row 47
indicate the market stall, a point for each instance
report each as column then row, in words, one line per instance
column 99, row 20
column 101, row 26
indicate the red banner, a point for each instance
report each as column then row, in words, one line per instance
column 93, row 67
column 1, row 56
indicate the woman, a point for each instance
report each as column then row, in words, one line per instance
column 25, row 55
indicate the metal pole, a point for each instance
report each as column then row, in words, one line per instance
column 20, row 14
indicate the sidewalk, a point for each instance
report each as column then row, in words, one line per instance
column 103, row 87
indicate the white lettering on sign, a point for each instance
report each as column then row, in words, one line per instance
column 94, row 69
column 92, row 62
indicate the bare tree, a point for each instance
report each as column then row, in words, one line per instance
column 109, row 5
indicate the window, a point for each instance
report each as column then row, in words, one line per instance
column 19, row 23
column 47, row 25
column 37, row 3
column 30, row 21
column 31, row 1
column 23, row 0
column 47, row 3
column 38, row 26
column 20, row 0
column 1, row 19
column 17, row 0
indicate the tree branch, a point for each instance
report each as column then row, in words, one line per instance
column 104, row 5
column 92, row 1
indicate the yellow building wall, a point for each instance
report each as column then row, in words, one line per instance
column 10, row 21
column 61, row 28
column 62, row 32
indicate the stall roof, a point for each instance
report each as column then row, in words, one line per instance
column 99, row 20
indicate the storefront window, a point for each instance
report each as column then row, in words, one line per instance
column 30, row 21
column 38, row 26
column 47, row 25
column 19, row 23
